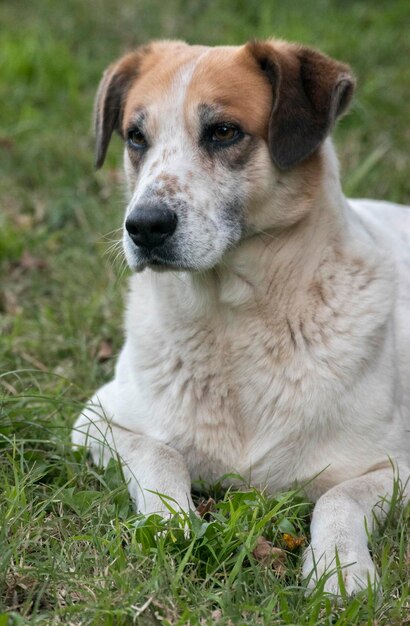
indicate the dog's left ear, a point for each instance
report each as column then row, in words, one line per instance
column 310, row 91
column 109, row 102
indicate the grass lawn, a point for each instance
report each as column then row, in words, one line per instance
column 71, row 549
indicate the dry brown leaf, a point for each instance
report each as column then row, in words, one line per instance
column 270, row 556
column 23, row 221
column 8, row 387
column 291, row 542
column 105, row 351
column 205, row 506
column 29, row 262
column 216, row 616
column 7, row 143
column 9, row 303
column 33, row 361
column 262, row 551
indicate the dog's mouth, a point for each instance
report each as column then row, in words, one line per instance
column 157, row 260
column 163, row 266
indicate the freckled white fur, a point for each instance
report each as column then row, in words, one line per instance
column 288, row 360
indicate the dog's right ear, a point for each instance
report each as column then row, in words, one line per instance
column 310, row 91
column 109, row 103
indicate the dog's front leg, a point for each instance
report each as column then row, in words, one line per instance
column 339, row 527
column 150, row 467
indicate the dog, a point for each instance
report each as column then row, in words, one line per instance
column 267, row 326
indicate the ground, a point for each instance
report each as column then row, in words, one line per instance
column 71, row 549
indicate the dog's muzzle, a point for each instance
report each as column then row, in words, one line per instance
column 149, row 227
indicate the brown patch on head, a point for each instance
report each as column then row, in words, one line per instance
column 288, row 95
column 132, row 82
column 229, row 79
column 156, row 73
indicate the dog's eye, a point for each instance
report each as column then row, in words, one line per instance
column 224, row 133
column 136, row 138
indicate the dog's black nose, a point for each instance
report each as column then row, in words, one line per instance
column 149, row 227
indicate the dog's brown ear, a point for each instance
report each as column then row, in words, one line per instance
column 110, row 99
column 310, row 91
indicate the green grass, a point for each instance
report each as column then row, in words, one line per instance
column 71, row 549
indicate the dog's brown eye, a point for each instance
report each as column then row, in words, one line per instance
column 224, row 132
column 136, row 138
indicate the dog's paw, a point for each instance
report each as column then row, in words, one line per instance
column 350, row 572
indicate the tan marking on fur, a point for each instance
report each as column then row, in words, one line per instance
column 379, row 466
column 303, row 183
column 156, row 72
column 318, row 291
column 231, row 78
column 154, row 166
column 170, row 182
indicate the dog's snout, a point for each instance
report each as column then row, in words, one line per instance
column 149, row 227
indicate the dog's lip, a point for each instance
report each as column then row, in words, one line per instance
column 161, row 264
column 154, row 257
column 156, row 261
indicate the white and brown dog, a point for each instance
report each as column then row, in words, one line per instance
column 277, row 344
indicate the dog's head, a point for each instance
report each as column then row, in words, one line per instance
column 219, row 142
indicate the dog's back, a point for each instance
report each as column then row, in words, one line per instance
column 391, row 223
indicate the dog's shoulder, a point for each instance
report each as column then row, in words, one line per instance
column 390, row 224
column 389, row 219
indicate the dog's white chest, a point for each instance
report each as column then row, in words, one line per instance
column 229, row 394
